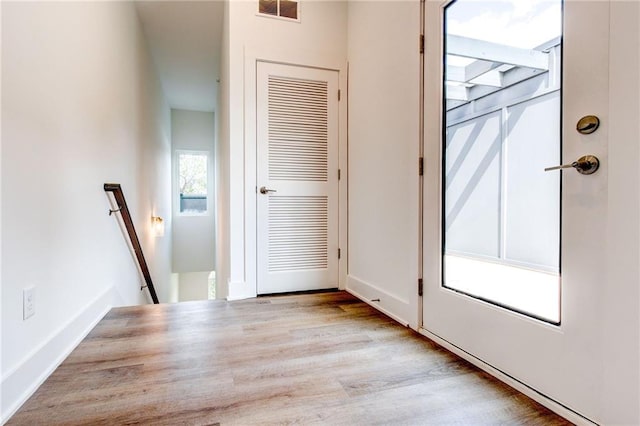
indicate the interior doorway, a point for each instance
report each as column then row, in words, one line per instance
column 297, row 178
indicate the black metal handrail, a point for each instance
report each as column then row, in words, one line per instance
column 133, row 236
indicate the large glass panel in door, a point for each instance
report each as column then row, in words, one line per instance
column 502, row 89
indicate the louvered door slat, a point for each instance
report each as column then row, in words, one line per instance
column 297, row 108
column 291, row 217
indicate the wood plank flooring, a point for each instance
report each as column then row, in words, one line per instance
column 305, row 359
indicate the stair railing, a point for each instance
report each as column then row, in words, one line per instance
column 118, row 195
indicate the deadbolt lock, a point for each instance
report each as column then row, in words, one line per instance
column 588, row 124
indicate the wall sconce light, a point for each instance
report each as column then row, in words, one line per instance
column 157, row 224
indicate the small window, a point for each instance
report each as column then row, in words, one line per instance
column 282, row 8
column 192, row 182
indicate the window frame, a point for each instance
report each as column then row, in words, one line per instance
column 176, row 181
column 553, row 86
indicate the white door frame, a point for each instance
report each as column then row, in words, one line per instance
column 247, row 288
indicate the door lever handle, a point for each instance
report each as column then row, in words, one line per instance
column 585, row 165
column 562, row 166
column 264, row 190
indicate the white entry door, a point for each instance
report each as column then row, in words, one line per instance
column 297, row 178
column 513, row 255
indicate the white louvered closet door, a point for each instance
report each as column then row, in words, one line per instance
column 297, row 138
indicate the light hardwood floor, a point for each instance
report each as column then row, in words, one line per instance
column 305, row 359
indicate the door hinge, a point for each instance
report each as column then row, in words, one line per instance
column 421, row 166
column 421, row 43
column 339, row 174
column 420, row 289
column 339, row 253
column 339, row 94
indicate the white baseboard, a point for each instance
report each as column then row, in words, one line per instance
column 386, row 303
column 554, row 406
column 240, row 290
column 22, row 381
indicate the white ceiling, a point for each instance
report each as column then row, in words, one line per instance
column 184, row 38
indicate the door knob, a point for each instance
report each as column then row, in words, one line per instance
column 585, row 165
column 264, row 190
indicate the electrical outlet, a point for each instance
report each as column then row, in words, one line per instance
column 28, row 302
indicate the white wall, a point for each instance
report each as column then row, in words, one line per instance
column 193, row 236
column 194, row 286
column 81, row 106
column 319, row 40
column 222, row 161
column 384, row 112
